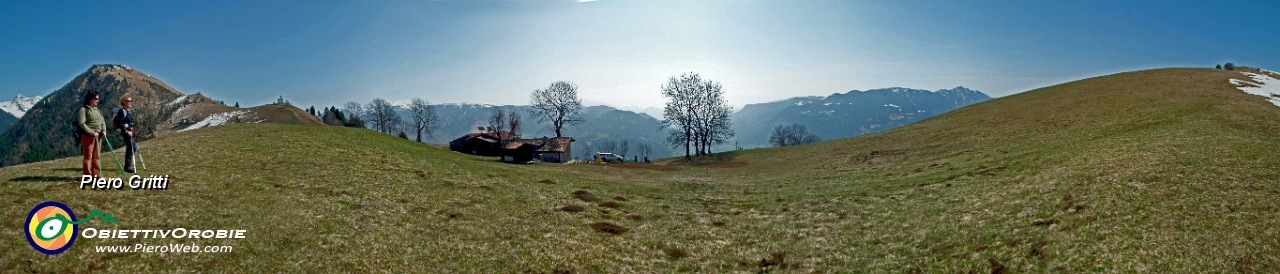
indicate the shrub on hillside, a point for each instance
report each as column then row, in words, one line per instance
column 1229, row 66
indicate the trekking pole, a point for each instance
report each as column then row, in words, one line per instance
column 139, row 155
column 113, row 156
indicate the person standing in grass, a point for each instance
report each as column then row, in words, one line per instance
column 123, row 121
column 91, row 126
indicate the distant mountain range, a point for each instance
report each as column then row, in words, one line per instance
column 832, row 117
column 40, row 126
column 849, row 114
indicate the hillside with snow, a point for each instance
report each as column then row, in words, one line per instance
column 1264, row 83
column 19, row 105
column 854, row 113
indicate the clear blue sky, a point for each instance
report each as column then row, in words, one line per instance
column 619, row 52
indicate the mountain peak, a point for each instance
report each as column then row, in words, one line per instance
column 109, row 67
column 19, row 106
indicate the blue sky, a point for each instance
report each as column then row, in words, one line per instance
column 619, row 52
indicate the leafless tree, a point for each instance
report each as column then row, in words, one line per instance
column 383, row 116
column 356, row 110
column 514, row 123
column 697, row 113
column 790, row 135
column 715, row 127
column 557, row 104
column 424, row 117
column 498, row 122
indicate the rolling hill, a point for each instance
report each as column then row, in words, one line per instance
column 198, row 111
column 1167, row 170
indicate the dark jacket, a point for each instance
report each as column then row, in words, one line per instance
column 122, row 120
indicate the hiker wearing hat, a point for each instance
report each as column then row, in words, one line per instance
column 91, row 126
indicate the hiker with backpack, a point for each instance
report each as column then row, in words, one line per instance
column 123, row 121
column 90, row 125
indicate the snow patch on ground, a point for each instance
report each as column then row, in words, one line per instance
column 216, row 119
column 180, row 99
column 1262, row 85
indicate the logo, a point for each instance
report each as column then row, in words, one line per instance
column 51, row 227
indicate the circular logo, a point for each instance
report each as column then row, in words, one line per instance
column 51, row 227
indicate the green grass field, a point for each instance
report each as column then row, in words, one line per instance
column 1170, row 170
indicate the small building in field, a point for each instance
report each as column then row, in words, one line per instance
column 519, row 152
column 485, row 143
column 556, row 150
column 515, row 150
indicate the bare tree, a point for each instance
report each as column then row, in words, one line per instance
column 498, row 122
column 790, row 135
column 557, row 104
column 356, row 111
column 714, row 124
column 697, row 113
column 383, row 116
column 424, row 117
column 513, row 123
column 678, row 113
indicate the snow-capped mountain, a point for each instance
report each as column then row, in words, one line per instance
column 854, row 113
column 19, row 105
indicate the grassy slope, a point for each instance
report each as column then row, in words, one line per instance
column 1146, row 171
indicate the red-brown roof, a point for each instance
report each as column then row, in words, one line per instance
column 558, row 144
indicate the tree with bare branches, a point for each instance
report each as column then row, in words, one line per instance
column 424, row 117
column 383, row 116
column 697, row 114
column 514, row 123
column 557, row 104
column 790, row 135
column 497, row 123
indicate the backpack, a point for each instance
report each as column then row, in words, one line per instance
column 117, row 119
column 75, row 132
